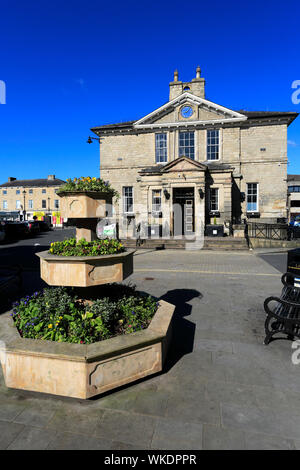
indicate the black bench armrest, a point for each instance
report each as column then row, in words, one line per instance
column 290, row 275
column 277, row 314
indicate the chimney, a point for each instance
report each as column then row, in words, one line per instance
column 11, row 178
column 196, row 86
column 51, row 177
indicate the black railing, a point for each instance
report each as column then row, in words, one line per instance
column 268, row 231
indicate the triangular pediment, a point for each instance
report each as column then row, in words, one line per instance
column 183, row 164
column 203, row 112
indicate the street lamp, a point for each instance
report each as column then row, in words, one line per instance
column 90, row 140
column 24, row 207
column 48, row 204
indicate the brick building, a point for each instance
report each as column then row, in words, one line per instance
column 35, row 197
column 193, row 162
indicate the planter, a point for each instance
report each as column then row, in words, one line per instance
column 91, row 204
column 85, row 271
column 214, row 230
column 83, row 371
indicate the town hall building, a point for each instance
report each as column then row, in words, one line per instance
column 192, row 163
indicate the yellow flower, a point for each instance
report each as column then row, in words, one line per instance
column 94, row 179
column 60, row 318
column 50, row 326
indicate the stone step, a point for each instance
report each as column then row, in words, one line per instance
column 210, row 243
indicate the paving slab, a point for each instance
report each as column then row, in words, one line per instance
column 221, row 387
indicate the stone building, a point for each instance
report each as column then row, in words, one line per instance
column 293, row 205
column 192, row 162
column 35, row 197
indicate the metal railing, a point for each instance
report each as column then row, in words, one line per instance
column 268, row 231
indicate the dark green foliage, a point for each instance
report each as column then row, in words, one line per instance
column 70, row 247
column 57, row 314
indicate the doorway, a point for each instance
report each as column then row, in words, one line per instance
column 183, row 211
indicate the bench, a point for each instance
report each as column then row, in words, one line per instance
column 283, row 313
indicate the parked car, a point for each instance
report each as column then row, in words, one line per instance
column 33, row 226
column 15, row 230
column 2, row 232
column 294, row 228
column 44, row 227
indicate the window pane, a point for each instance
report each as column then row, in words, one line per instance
column 214, row 199
column 186, row 145
column 252, row 193
column 128, row 199
column 161, row 148
column 156, row 200
column 213, row 144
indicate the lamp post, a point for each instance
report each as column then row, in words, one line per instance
column 48, row 205
column 24, row 206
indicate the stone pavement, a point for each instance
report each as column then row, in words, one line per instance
column 222, row 388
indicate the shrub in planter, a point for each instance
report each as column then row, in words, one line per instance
column 70, row 247
column 87, row 184
column 56, row 314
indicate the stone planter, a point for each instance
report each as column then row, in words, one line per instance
column 83, row 205
column 83, row 371
column 85, row 271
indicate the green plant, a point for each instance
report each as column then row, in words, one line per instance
column 85, row 184
column 70, row 247
column 215, row 220
column 56, row 314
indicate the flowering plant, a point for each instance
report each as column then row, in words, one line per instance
column 56, row 314
column 86, row 184
column 70, row 247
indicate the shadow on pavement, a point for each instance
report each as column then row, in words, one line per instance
column 183, row 331
column 23, row 255
column 277, row 260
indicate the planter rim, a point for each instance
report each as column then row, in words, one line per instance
column 50, row 257
column 110, row 347
column 85, row 193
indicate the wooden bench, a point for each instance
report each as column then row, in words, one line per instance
column 283, row 313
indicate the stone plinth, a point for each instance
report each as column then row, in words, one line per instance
column 83, row 371
column 91, row 204
column 85, row 271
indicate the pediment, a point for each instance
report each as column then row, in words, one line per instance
column 204, row 112
column 184, row 164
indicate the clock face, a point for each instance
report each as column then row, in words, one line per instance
column 186, row 112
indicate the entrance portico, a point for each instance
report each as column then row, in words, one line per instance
column 184, row 189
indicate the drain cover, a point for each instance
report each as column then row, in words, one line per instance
column 148, row 278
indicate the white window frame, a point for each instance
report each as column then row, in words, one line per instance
column 210, row 199
column 125, row 198
column 182, row 153
column 4, row 204
column 30, row 203
column 209, row 145
column 257, row 198
column 163, row 148
column 156, row 207
column 56, row 203
column 18, row 204
column 44, row 201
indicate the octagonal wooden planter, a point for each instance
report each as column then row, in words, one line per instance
column 92, row 204
column 83, row 371
column 85, row 271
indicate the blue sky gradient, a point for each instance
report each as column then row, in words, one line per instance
column 72, row 65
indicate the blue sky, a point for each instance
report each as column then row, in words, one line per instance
column 72, row 65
